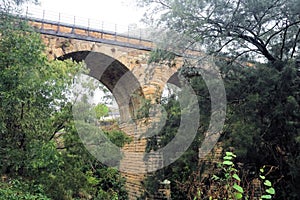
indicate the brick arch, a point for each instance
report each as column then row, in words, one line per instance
column 116, row 77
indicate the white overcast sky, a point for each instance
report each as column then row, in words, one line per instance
column 121, row 12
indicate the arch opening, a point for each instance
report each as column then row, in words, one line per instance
column 116, row 77
column 171, row 88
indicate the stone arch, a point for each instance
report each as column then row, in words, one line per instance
column 174, row 79
column 170, row 78
column 116, row 77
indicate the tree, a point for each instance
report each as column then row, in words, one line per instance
column 101, row 111
column 263, row 122
column 180, row 172
column 31, row 93
column 263, row 100
column 12, row 6
column 268, row 30
column 41, row 153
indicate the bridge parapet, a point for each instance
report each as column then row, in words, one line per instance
column 92, row 35
column 60, row 24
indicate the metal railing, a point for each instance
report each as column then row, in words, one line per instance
column 130, row 31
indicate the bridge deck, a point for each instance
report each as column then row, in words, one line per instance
column 83, row 33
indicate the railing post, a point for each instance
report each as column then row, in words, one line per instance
column 73, row 29
column 26, row 14
column 140, row 35
column 58, row 27
column 115, row 32
column 102, row 30
column 88, row 29
column 43, row 20
column 128, row 33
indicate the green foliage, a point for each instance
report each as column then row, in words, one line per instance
column 263, row 116
column 227, row 184
column 162, row 57
column 263, row 119
column 228, row 179
column 117, row 137
column 40, row 150
column 144, row 110
column 262, row 124
column 101, row 110
column 269, row 190
column 247, row 29
column 111, row 182
column 31, row 90
column 19, row 190
column 179, row 172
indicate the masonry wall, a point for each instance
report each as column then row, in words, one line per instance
column 152, row 79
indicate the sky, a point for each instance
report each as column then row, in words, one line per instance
column 121, row 12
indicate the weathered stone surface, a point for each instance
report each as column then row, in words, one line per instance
column 124, row 67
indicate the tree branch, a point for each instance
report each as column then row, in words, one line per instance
column 283, row 44
column 295, row 43
column 236, row 9
column 260, row 46
column 58, row 128
column 162, row 3
column 263, row 15
column 279, row 31
column 252, row 33
column 270, row 29
column 222, row 46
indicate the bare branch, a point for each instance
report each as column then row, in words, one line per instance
column 259, row 21
column 279, row 31
column 295, row 43
column 283, row 43
column 261, row 47
column 270, row 29
column 237, row 7
column 224, row 45
column 242, row 53
column 162, row 3
column 252, row 33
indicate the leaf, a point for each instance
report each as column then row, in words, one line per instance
column 262, row 177
column 230, row 154
column 270, row 190
column 235, row 176
column 266, row 196
column 228, row 158
column 267, row 183
column 238, row 195
column 215, row 177
column 262, row 170
column 227, row 162
column 238, row 188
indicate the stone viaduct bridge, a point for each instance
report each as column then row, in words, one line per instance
column 119, row 62
column 113, row 59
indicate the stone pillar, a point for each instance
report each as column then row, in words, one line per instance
column 132, row 166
